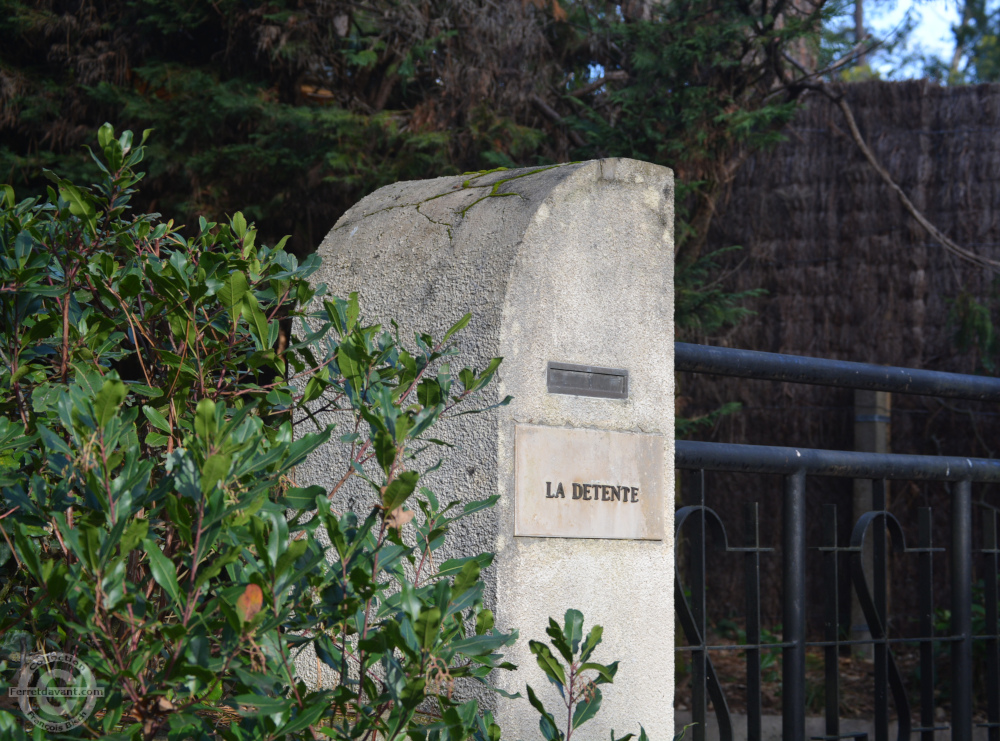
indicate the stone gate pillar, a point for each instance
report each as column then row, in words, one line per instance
column 568, row 273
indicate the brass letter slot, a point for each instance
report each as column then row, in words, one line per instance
column 587, row 380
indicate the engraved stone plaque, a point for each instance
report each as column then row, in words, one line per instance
column 578, row 483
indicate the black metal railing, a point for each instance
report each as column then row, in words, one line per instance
column 879, row 527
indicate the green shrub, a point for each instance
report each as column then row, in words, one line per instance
column 151, row 524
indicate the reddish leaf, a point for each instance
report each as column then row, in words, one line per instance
column 249, row 603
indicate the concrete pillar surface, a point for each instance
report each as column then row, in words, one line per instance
column 570, row 263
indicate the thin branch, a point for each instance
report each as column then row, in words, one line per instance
column 64, row 367
column 13, row 550
column 858, row 51
column 936, row 234
column 554, row 116
column 599, row 83
column 128, row 317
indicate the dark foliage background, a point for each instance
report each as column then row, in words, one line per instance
column 291, row 110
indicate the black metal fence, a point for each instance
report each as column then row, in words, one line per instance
column 879, row 528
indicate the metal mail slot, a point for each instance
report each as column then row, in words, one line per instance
column 587, row 380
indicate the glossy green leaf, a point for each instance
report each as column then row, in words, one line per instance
column 234, row 290
column 215, row 470
column 156, row 419
column 457, row 327
column 480, row 645
column 587, row 707
column 353, row 310
column 385, row 450
column 605, row 673
column 109, row 398
column 256, row 319
column 559, row 640
column 484, row 622
column 593, row 639
column 303, row 719
column 134, row 534
column 546, row 723
column 205, row 424
column 427, row 626
column 239, row 224
column 574, row 629
column 467, row 577
column 163, row 571
column 301, row 498
column 397, row 492
column 80, row 203
column 548, row 663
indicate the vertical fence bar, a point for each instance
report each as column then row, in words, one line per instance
column 699, row 657
column 880, row 647
column 831, row 620
column 793, row 664
column 961, row 611
column 925, row 588
column 992, row 645
column 751, row 539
